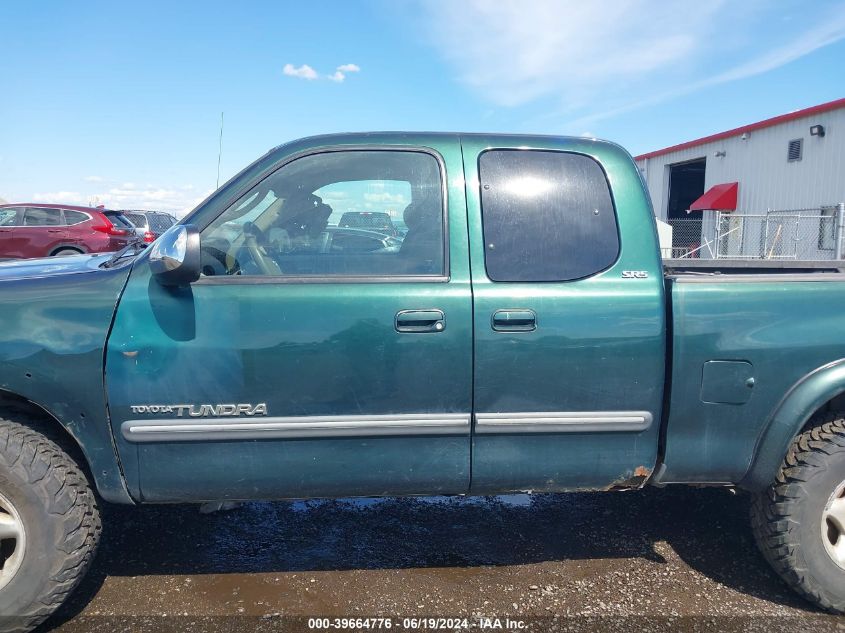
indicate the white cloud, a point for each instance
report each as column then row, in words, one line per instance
column 93, row 179
column 829, row 32
column 385, row 196
column 579, row 54
column 307, row 72
column 330, row 196
column 178, row 200
column 514, row 52
column 302, row 72
column 59, row 197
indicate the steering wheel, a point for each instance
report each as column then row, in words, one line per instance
column 255, row 241
column 212, row 262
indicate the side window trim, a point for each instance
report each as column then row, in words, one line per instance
column 247, row 189
column 218, row 280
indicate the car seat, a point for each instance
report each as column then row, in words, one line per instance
column 422, row 248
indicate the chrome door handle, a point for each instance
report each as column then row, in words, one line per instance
column 517, row 320
column 420, row 321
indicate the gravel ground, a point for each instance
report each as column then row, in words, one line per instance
column 673, row 559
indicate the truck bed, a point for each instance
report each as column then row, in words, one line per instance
column 741, row 334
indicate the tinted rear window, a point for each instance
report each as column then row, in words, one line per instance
column 547, row 216
column 74, row 217
column 138, row 219
column 366, row 220
column 118, row 219
column 159, row 222
column 42, row 217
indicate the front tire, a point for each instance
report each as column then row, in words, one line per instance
column 49, row 526
column 799, row 522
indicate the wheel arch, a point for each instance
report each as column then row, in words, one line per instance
column 76, row 440
column 822, row 389
column 67, row 247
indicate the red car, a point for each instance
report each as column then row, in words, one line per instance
column 41, row 230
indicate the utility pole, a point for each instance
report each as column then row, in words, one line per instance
column 219, row 151
column 839, row 232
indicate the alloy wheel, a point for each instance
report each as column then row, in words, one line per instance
column 12, row 541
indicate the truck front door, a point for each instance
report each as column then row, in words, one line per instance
column 569, row 324
column 298, row 367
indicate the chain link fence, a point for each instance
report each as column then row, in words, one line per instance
column 800, row 234
column 687, row 237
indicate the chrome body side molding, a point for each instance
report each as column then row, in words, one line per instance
column 211, row 429
column 562, row 422
column 215, row 429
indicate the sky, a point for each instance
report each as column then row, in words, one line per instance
column 119, row 103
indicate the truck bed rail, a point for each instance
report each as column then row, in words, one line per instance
column 751, row 266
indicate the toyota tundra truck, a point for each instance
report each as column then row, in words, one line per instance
column 523, row 335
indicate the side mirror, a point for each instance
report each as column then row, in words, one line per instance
column 175, row 256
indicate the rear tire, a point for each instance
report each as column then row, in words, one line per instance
column 799, row 521
column 49, row 516
column 66, row 251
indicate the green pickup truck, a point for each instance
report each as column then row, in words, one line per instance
column 523, row 335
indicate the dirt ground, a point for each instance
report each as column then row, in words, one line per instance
column 674, row 559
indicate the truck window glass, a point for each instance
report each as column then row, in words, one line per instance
column 335, row 214
column 547, row 216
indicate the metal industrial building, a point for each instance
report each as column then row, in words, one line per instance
column 771, row 189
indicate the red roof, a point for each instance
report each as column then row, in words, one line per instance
column 718, row 197
column 783, row 118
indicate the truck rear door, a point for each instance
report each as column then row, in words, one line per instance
column 568, row 314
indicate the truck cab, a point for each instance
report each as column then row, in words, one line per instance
column 382, row 372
